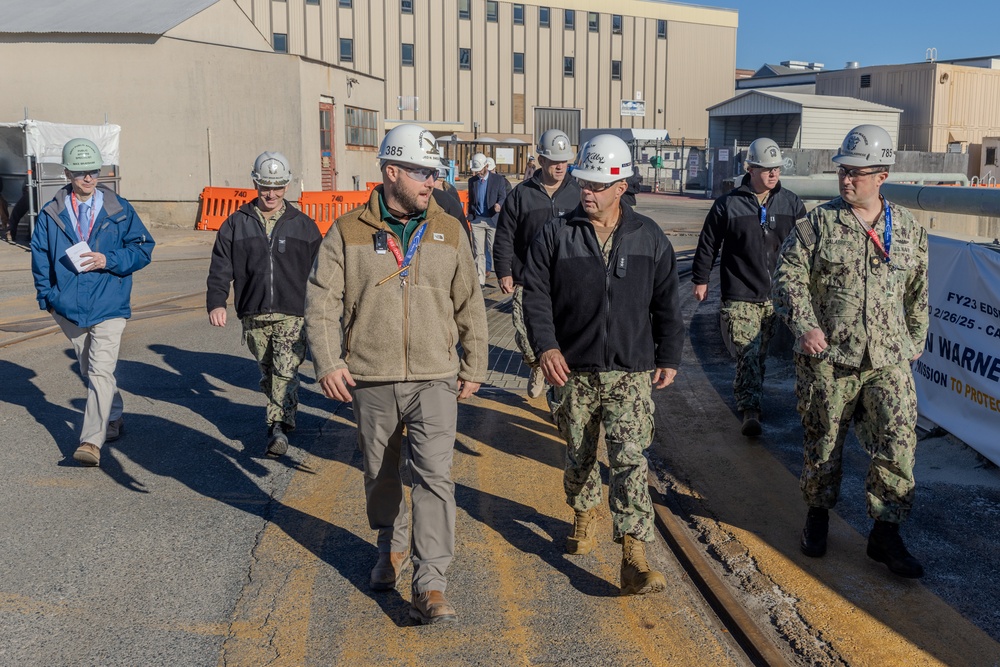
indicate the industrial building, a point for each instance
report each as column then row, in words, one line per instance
column 947, row 105
column 491, row 73
column 200, row 87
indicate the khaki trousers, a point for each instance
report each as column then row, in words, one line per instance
column 97, row 351
column 429, row 411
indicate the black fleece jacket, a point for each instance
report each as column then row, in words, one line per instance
column 268, row 275
column 622, row 316
column 749, row 249
column 525, row 211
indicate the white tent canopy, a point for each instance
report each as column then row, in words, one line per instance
column 44, row 141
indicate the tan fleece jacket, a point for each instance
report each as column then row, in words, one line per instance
column 399, row 330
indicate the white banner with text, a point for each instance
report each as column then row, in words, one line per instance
column 958, row 374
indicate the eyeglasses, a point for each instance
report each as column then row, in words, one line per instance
column 594, row 187
column 854, row 174
column 767, row 170
column 263, row 189
column 80, row 175
column 419, row 174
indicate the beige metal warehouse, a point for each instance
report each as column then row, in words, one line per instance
column 794, row 120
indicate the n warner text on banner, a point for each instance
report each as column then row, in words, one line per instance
column 958, row 374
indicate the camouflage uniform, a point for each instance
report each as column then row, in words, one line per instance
column 831, row 276
column 747, row 329
column 278, row 343
column 621, row 401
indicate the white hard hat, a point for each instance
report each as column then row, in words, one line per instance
column 271, row 170
column 866, row 146
column 478, row 162
column 555, row 146
column 443, row 170
column 603, row 159
column 491, row 164
column 764, row 152
column 410, row 144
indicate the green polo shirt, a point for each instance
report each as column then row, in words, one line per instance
column 403, row 230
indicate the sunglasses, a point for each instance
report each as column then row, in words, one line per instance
column 80, row 175
column 594, row 187
column 419, row 174
column 856, row 173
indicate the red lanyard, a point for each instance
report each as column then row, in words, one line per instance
column 76, row 208
column 870, row 231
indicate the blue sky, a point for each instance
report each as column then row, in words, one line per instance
column 876, row 32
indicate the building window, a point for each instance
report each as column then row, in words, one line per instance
column 616, row 24
column 661, row 29
column 569, row 19
column 312, row 2
column 519, row 63
column 362, row 127
column 406, row 55
column 492, row 13
column 346, row 4
column 543, row 17
column 465, row 59
column 866, row 80
column 616, row 70
column 406, row 6
column 518, row 14
column 280, row 42
column 346, row 50
column 568, row 66
column 463, row 9
column 991, row 153
column 593, row 22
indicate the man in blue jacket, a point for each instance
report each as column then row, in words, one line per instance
column 86, row 245
column 603, row 317
column 486, row 193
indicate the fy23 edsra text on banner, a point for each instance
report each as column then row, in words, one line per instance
column 958, row 374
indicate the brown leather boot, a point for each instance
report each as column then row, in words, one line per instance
column 637, row 578
column 431, row 607
column 386, row 572
column 582, row 540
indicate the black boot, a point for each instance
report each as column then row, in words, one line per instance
column 886, row 546
column 813, row 543
column 751, row 423
column 277, row 441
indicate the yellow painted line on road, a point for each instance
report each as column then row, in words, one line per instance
column 511, row 582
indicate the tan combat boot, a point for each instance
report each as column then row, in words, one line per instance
column 582, row 540
column 637, row 578
column 386, row 572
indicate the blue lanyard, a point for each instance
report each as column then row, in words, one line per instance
column 763, row 217
column 888, row 230
column 414, row 242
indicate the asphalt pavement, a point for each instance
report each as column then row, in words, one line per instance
column 188, row 547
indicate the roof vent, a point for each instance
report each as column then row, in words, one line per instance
column 852, row 64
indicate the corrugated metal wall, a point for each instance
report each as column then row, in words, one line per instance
column 826, row 128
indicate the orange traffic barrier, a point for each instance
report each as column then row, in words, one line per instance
column 325, row 207
column 217, row 204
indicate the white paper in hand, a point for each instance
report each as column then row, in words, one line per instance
column 74, row 252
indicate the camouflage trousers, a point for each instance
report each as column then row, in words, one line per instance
column 278, row 343
column 882, row 403
column 623, row 403
column 520, row 329
column 747, row 329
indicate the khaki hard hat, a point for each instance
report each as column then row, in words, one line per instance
column 81, row 155
column 555, row 146
column 271, row 170
column 866, row 146
column 765, row 153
